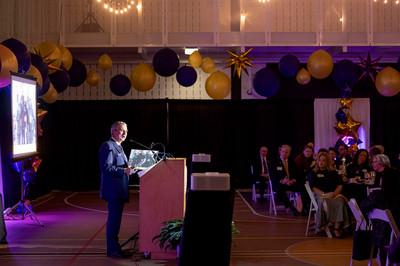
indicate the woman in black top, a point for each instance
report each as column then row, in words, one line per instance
column 327, row 185
column 355, row 172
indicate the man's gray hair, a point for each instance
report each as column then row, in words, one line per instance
column 116, row 124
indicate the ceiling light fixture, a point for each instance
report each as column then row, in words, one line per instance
column 119, row 6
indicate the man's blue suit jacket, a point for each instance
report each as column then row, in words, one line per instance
column 114, row 182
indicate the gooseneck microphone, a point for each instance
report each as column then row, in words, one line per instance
column 155, row 155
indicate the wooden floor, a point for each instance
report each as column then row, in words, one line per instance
column 74, row 234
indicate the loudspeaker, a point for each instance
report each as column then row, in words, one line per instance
column 207, row 227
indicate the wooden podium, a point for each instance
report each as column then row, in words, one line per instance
column 161, row 198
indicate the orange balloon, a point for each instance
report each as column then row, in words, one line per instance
column 303, row 77
column 51, row 95
column 8, row 62
column 195, row 59
column 92, row 78
column 320, row 64
column 388, row 82
column 218, row 85
column 143, row 77
column 208, row 65
column 33, row 71
column 105, row 62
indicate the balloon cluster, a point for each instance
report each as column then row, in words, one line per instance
column 346, row 126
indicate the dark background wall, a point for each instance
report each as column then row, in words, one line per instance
column 231, row 131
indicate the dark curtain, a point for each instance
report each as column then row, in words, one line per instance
column 231, row 131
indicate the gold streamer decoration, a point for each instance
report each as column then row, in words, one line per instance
column 240, row 61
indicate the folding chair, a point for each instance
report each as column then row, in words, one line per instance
column 313, row 210
column 386, row 215
column 269, row 195
column 361, row 222
column 358, row 215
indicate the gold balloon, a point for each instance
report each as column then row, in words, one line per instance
column 388, row 82
column 8, row 62
column 105, row 62
column 346, row 103
column 195, row 59
column 33, row 71
column 143, row 77
column 66, row 57
column 92, row 78
column 218, row 85
column 353, row 126
column 51, row 55
column 303, row 77
column 208, row 65
column 320, row 64
column 51, row 95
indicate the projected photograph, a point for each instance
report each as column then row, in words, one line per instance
column 142, row 159
column 23, row 99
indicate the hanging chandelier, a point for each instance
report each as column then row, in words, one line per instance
column 119, row 6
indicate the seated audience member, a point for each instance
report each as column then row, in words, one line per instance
column 327, row 185
column 304, row 164
column 284, row 178
column 260, row 171
column 333, row 154
column 388, row 197
column 356, row 172
column 3, row 231
column 305, row 161
column 343, row 157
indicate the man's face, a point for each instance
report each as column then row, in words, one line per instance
column 263, row 152
column 120, row 132
column 342, row 150
column 284, row 153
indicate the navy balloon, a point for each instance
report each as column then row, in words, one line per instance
column 60, row 80
column 21, row 53
column 345, row 74
column 186, row 76
column 165, row 62
column 120, row 85
column 341, row 116
column 45, row 87
column 77, row 73
column 37, row 62
column 289, row 65
column 398, row 64
column 266, row 82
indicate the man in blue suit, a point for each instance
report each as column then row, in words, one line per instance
column 114, row 188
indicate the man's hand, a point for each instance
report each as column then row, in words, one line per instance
column 129, row 171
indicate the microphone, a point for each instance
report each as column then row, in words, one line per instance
column 139, row 143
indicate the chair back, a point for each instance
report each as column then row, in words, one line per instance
column 358, row 215
column 385, row 215
column 311, row 195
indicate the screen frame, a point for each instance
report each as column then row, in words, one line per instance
column 32, row 147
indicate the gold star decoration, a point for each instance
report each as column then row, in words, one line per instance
column 240, row 61
column 346, row 103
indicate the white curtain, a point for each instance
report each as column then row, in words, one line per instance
column 325, row 120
